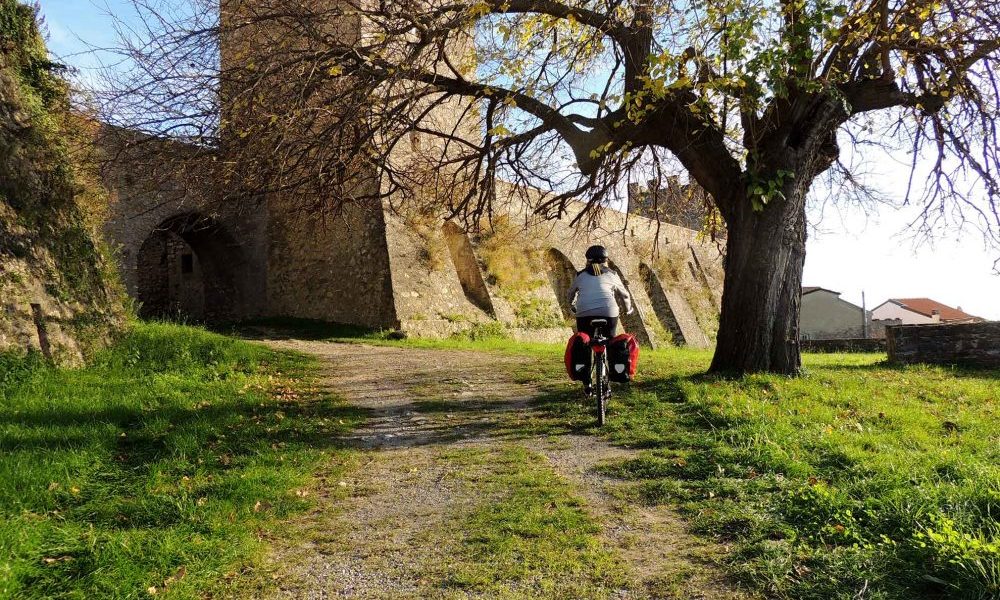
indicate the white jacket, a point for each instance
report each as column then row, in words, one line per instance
column 597, row 294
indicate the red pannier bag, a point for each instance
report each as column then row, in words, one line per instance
column 578, row 357
column 623, row 358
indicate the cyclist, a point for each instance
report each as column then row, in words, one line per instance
column 592, row 296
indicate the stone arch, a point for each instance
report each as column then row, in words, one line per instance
column 470, row 276
column 632, row 323
column 561, row 276
column 190, row 266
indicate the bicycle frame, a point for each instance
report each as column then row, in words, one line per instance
column 602, row 386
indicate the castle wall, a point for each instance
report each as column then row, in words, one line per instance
column 428, row 267
column 666, row 269
column 385, row 264
column 229, row 241
column 329, row 267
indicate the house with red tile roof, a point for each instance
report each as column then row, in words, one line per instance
column 920, row 311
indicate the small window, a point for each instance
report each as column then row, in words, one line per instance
column 187, row 264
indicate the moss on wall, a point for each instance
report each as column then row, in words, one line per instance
column 57, row 288
column 516, row 265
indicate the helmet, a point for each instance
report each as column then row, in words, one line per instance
column 598, row 254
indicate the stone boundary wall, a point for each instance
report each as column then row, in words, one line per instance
column 968, row 344
column 844, row 345
column 877, row 327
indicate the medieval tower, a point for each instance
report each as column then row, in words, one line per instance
column 186, row 251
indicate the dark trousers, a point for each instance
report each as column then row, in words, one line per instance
column 583, row 324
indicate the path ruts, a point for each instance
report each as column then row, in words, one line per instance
column 388, row 531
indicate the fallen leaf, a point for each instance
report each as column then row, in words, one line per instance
column 181, row 572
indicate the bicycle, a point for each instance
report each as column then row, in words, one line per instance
column 602, row 385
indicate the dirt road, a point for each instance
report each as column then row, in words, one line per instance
column 394, row 529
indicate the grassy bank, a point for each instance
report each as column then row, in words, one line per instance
column 158, row 469
column 857, row 480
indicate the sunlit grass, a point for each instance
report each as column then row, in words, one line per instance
column 530, row 535
column 857, row 479
column 158, row 468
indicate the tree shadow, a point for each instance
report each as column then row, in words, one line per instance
column 288, row 328
column 218, row 441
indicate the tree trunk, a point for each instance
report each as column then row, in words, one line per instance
column 765, row 253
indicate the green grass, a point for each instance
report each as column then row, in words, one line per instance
column 531, row 536
column 856, row 480
column 162, row 465
column 489, row 337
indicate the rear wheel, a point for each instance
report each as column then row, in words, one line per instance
column 601, row 389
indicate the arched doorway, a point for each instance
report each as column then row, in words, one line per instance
column 561, row 276
column 190, row 267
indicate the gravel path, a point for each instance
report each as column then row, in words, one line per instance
column 386, row 531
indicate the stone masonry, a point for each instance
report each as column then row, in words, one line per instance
column 181, row 254
column 967, row 344
column 369, row 265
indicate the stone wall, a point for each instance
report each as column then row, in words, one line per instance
column 56, row 296
column 877, row 327
column 442, row 278
column 228, row 241
column 843, row 345
column 971, row 344
column 330, row 267
column 371, row 266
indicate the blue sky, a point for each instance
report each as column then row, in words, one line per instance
column 853, row 251
column 70, row 21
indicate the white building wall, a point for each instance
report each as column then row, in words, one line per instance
column 891, row 310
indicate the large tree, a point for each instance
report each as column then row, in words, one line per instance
column 578, row 97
